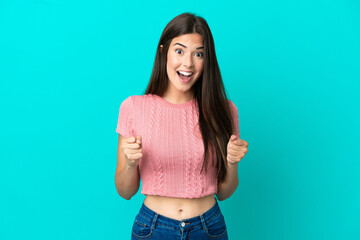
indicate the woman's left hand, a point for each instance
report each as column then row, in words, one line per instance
column 236, row 149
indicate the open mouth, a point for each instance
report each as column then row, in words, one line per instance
column 185, row 76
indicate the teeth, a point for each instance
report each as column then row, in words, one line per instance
column 185, row 73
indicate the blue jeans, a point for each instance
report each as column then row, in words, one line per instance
column 150, row 225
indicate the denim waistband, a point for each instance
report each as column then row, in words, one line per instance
column 201, row 219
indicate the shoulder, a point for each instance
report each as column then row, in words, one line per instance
column 232, row 105
column 126, row 103
column 140, row 99
column 136, row 100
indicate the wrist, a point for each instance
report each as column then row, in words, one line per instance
column 232, row 165
column 130, row 167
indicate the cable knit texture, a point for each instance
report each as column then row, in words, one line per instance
column 172, row 145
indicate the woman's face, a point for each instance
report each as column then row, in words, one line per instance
column 185, row 63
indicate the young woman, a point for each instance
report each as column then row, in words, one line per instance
column 181, row 138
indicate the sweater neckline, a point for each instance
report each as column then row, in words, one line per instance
column 174, row 105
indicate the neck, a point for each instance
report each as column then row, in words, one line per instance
column 178, row 98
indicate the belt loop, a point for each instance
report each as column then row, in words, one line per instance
column 203, row 222
column 154, row 220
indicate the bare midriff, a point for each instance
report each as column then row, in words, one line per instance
column 179, row 208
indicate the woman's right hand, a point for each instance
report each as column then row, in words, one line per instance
column 132, row 149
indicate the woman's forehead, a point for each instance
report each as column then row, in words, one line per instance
column 193, row 40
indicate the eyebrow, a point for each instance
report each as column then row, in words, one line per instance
column 185, row 46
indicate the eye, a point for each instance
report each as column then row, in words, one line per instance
column 199, row 54
column 179, row 51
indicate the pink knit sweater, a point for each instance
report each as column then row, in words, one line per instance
column 172, row 146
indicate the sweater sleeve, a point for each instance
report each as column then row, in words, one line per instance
column 235, row 114
column 125, row 125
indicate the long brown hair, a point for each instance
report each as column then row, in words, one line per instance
column 215, row 119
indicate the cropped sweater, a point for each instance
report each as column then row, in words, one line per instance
column 172, row 145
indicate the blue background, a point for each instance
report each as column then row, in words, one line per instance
column 291, row 68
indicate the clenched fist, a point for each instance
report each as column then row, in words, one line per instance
column 236, row 149
column 132, row 149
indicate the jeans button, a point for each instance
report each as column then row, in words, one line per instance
column 183, row 224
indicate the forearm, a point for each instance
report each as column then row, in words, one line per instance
column 127, row 181
column 228, row 187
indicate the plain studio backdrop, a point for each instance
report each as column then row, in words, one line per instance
column 291, row 68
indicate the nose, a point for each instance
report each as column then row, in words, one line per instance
column 188, row 61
